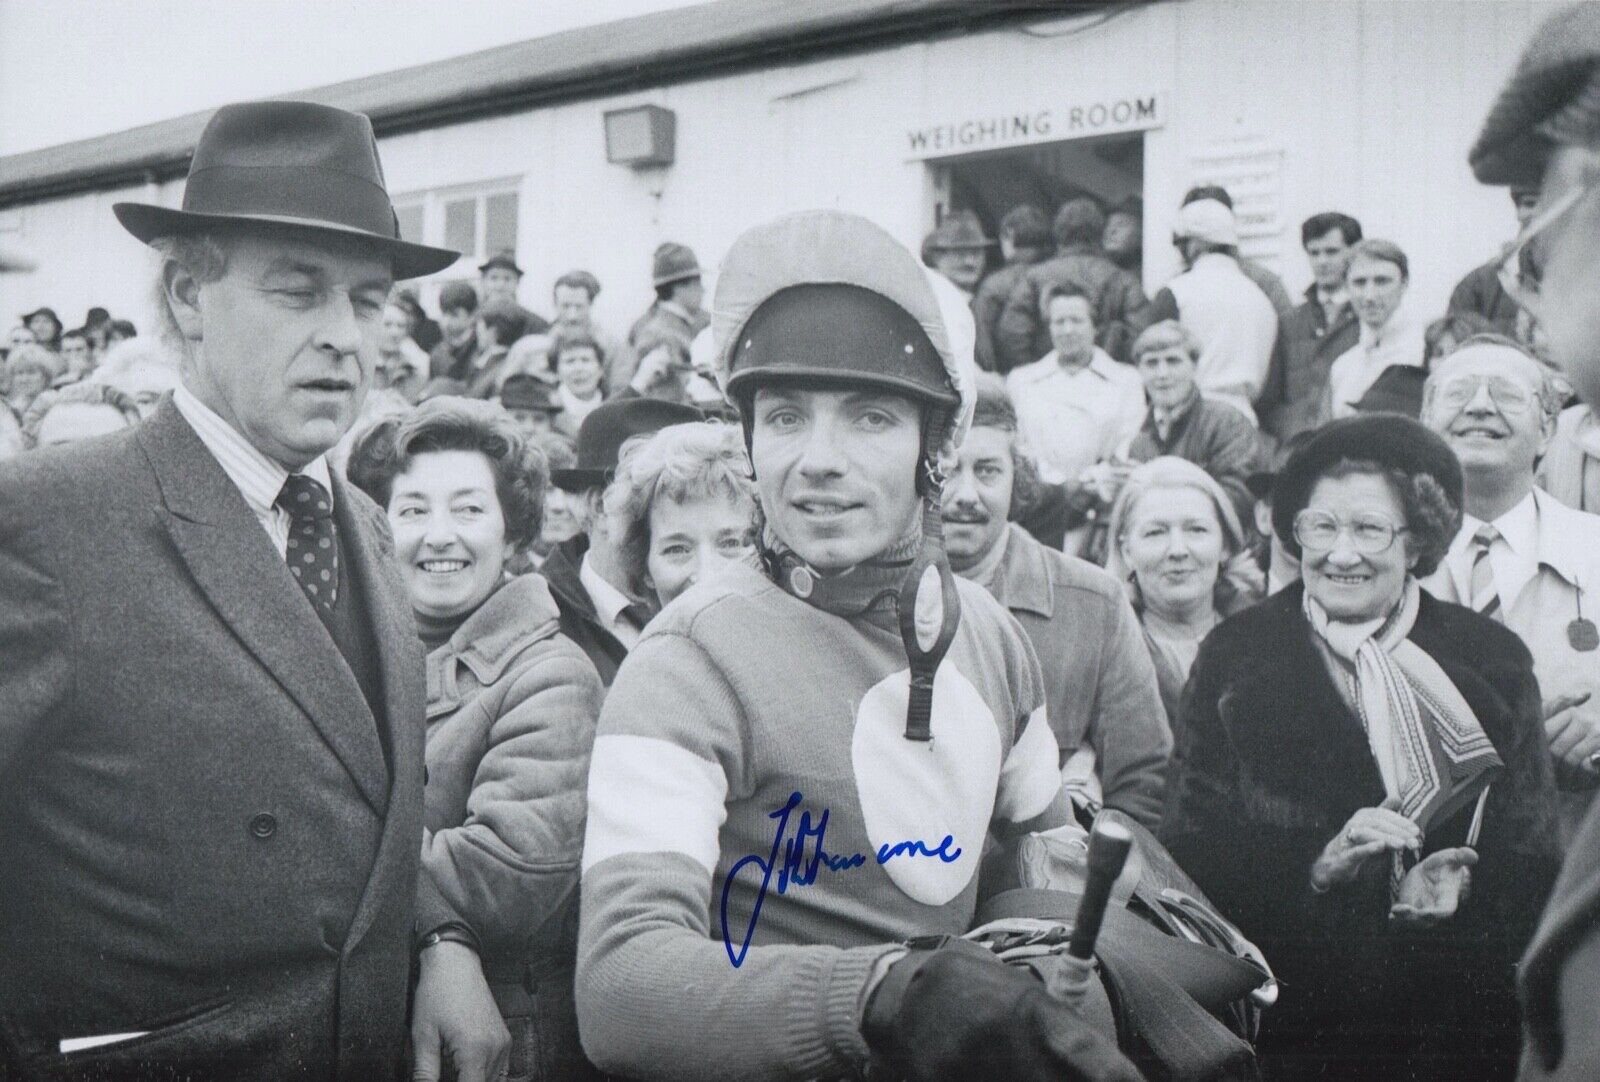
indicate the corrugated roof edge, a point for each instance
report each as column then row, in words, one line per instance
column 632, row 54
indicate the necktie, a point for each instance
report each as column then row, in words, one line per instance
column 312, row 552
column 636, row 613
column 1485, row 596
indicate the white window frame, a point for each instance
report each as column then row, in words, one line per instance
column 433, row 200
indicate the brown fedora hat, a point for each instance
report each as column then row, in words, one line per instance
column 288, row 163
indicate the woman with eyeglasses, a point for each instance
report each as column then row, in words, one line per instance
column 1362, row 782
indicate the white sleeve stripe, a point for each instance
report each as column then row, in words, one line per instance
column 1029, row 779
column 647, row 795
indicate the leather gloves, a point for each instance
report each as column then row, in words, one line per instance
column 951, row 1009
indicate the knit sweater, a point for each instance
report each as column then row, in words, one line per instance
column 738, row 696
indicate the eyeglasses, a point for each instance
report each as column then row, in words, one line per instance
column 1318, row 531
column 1526, row 292
column 1508, row 395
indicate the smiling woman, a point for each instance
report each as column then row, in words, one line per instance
column 1361, row 776
column 512, row 705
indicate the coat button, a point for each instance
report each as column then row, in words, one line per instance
column 264, row 825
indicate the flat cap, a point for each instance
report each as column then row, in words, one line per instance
column 1552, row 97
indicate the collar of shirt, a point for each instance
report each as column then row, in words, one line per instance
column 258, row 478
column 1515, row 561
column 1100, row 363
column 608, row 601
column 1164, row 418
column 1331, row 300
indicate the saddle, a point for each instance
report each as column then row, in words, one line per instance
column 1185, row 987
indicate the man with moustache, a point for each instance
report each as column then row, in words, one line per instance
column 211, row 701
column 1100, row 686
column 793, row 700
column 1522, row 556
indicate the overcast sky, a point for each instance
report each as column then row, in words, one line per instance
column 71, row 69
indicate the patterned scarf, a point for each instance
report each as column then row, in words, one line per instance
column 1431, row 750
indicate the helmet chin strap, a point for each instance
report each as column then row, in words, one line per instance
column 929, row 609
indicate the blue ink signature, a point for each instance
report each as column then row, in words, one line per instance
column 796, row 870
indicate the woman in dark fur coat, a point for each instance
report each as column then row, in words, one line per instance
column 1362, row 782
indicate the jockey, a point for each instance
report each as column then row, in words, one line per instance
column 798, row 766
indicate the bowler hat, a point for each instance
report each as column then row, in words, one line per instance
column 959, row 231
column 603, row 432
column 1388, row 439
column 1397, row 390
column 674, row 263
column 505, row 259
column 525, row 391
column 288, row 163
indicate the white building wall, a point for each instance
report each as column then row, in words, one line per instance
column 1372, row 104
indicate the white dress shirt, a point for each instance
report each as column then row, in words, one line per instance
column 258, row 478
column 1514, row 558
column 608, row 603
column 1397, row 342
column 1072, row 418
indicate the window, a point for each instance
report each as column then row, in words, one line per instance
column 476, row 221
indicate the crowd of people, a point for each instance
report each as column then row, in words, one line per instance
column 901, row 550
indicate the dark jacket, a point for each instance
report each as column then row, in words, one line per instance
column 1270, row 766
column 452, row 362
column 579, row 621
column 989, row 302
column 1214, row 436
column 1560, row 973
column 1100, row 688
column 1115, row 296
column 202, row 833
column 512, row 705
column 1479, row 293
column 1310, row 346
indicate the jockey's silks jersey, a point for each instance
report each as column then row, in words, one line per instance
column 738, row 697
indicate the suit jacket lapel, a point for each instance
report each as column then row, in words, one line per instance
column 234, row 562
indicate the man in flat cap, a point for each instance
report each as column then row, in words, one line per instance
column 1544, row 131
column 211, row 701
column 763, row 710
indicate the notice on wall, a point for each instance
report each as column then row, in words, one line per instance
column 1041, row 124
column 1251, row 170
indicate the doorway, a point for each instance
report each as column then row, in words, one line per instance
column 1109, row 169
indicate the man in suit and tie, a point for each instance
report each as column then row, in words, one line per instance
column 586, row 573
column 211, row 701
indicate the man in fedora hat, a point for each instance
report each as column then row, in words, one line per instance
column 1544, row 131
column 853, row 686
column 586, row 573
column 958, row 250
column 211, row 701
column 673, row 319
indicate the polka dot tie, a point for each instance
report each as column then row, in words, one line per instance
column 312, row 553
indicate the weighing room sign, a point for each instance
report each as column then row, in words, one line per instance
column 1046, row 124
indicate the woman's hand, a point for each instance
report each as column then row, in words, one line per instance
column 1433, row 890
column 1369, row 832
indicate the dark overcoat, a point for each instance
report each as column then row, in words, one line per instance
column 202, row 834
column 1269, row 767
